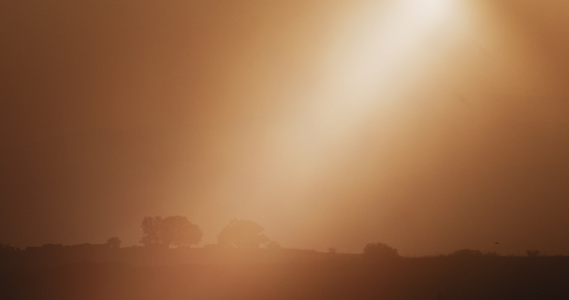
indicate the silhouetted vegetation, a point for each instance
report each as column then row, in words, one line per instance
column 467, row 253
column 114, row 242
column 533, row 253
column 238, row 268
column 173, row 230
column 242, row 234
column 375, row 251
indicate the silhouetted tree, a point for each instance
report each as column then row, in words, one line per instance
column 380, row 251
column 114, row 242
column 178, row 231
column 242, row 234
column 150, row 231
column 173, row 230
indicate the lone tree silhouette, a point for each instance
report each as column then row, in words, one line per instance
column 242, row 234
column 380, row 251
column 173, row 230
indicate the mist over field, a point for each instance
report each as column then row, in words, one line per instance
column 389, row 149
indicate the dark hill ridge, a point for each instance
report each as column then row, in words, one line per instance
column 102, row 272
column 408, row 278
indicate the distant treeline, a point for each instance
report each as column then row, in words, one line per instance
column 169, row 240
column 56, row 255
column 246, row 264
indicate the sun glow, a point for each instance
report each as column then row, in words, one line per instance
column 430, row 10
column 389, row 40
column 367, row 66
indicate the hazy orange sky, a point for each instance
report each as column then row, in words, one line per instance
column 428, row 125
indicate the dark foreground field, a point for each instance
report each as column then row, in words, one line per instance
column 333, row 277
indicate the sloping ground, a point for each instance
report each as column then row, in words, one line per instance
column 405, row 278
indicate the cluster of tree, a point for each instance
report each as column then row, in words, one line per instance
column 173, row 230
column 179, row 231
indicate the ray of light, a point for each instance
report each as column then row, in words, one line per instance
column 368, row 66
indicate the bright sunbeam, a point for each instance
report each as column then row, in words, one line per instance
column 373, row 59
column 367, row 66
column 389, row 39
